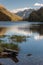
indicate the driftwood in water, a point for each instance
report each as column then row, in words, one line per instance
column 11, row 52
column 8, row 55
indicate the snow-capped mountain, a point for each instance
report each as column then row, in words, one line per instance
column 19, row 9
column 23, row 12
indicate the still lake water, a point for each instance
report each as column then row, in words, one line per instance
column 33, row 44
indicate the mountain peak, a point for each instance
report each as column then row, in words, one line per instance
column 20, row 9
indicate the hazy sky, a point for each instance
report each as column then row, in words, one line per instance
column 13, row 4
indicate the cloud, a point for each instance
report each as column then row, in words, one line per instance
column 38, row 4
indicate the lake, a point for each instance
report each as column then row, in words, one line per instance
column 26, row 38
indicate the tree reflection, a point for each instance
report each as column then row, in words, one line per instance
column 37, row 28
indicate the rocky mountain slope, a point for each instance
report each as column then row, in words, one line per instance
column 36, row 15
column 5, row 15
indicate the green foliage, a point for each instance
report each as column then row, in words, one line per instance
column 9, row 46
column 1, row 49
column 14, row 42
column 18, row 38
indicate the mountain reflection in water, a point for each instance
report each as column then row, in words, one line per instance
column 26, row 40
column 23, row 30
column 37, row 29
column 2, row 30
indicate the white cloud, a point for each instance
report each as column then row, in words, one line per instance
column 38, row 4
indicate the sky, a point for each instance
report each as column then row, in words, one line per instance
column 15, row 4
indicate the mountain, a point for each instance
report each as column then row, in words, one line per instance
column 23, row 12
column 6, row 15
column 19, row 9
column 36, row 15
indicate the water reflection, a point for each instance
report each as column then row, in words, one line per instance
column 2, row 30
column 12, row 44
column 24, row 40
column 15, row 59
column 24, row 30
column 37, row 28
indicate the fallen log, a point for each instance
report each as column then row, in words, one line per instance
column 11, row 52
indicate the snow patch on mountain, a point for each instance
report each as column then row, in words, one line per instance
column 19, row 9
